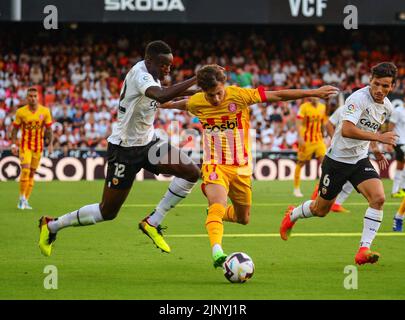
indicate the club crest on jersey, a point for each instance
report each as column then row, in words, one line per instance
column 41, row 117
column 213, row 176
column 383, row 116
column 232, row 107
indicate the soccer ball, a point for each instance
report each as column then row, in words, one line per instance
column 238, row 267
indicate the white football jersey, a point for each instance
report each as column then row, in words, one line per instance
column 398, row 118
column 360, row 109
column 336, row 116
column 136, row 112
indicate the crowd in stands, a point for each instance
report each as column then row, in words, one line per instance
column 79, row 72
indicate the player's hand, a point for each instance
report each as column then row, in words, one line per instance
column 14, row 150
column 389, row 137
column 381, row 160
column 326, row 92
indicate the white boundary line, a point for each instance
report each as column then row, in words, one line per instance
column 294, row 235
column 273, row 204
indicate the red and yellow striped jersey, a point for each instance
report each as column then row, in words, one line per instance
column 32, row 125
column 226, row 137
column 312, row 119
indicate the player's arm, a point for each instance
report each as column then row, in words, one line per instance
column 349, row 130
column 379, row 156
column 299, row 125
column 16, row 125
column 180, row 105
column 14, row 148
column 330, row 128
column 163, row 95
column 294, row 94
column 48, row 136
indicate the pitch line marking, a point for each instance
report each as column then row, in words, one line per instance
column 277, row 204
column 276, row 235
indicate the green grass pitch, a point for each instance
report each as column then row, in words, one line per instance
column 114, row 260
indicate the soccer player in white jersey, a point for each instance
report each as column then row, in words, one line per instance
column 397, row 124
column 347, row 188
column 132, row 146
column 347, row 159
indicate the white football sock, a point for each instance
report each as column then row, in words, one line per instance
column 345, row 193
column 216, row 248
column 302, row 211
column 86, row 215
column 177, row 191
column 399, row 216
column 397, row 181
column 372, row 222
column 402, row 184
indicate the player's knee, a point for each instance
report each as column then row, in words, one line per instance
column 244, row 220
column 193, row 174
column 377, row 201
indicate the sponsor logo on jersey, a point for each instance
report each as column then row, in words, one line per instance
column 144, row 5
column 228, row 125
column 33, row 126
column 368, row 123
column 369, row 169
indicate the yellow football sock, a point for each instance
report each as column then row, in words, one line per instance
column 24, row 179
column 214, row 225
column 229, row 214
column 297, row 176
column 28, row 191
column 401, row 210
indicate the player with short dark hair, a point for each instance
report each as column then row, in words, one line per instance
column 227, row 160
column 132, row 146
column 35, row 122
column 347, row 159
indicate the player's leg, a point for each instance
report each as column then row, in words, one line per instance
column 320, row 152
column 217, row 196
column 367, row 181
column 240, row 193
column 399, row 175
column 297, row 175
column 399, row 217
column 25, row 160
column 341, row 198
column 119, row 180
column 170, row 160
column 373, row 191
column 36, row 158
column 330, row 185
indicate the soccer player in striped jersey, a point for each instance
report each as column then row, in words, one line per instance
column 35, row 122
column 227, row 160
column 310, row 120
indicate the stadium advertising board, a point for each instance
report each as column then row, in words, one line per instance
column 269, row 167
column 209, row 11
